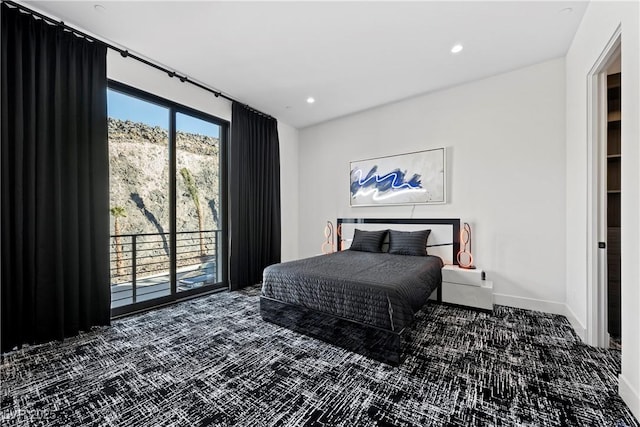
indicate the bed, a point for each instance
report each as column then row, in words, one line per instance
column 362, row 300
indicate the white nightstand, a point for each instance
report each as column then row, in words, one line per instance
column 466, row 287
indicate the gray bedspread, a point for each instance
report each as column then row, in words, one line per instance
column 377, row 289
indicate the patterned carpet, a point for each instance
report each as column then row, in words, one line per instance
column 214, row 362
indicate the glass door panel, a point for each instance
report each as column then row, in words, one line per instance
column 139, row 199
column 198, row 203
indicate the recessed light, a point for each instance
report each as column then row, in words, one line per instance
column 310, row 100
column 566, row 10
column 457, row 48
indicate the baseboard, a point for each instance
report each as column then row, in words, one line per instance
column 530, row 303
column 544, row 306
column 630, row 396
column 578, row 327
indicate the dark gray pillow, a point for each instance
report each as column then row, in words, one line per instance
column 408, row 242
column 368, row 241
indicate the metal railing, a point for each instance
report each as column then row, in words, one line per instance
column 140, row 264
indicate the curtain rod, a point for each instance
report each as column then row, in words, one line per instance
column 126, row 54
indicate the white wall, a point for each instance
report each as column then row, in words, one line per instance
column 289, row 190
column 598, row 25
column 505, row 137
column 138, row 75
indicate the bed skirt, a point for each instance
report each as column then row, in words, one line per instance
column 376, row 343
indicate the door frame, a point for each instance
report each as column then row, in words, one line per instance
column 223, row 255
column 597, row 324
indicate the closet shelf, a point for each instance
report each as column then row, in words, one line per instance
column 614, row 116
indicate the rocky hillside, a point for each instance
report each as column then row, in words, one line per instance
column 139, row 165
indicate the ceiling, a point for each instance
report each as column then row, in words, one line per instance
column 349, row 56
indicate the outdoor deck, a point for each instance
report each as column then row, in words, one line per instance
column 140, row 265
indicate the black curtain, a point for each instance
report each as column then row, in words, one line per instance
column 55, row 182
column 254, row 196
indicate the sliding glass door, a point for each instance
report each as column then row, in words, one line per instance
column 198, row 202
column 167, row 201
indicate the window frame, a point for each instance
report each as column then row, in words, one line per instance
column 175, row 108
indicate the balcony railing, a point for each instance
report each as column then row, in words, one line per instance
column 140, row 264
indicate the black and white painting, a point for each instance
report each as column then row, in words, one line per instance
column 403, row 179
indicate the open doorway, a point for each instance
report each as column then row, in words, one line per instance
column 605, row 193
column 614, row 194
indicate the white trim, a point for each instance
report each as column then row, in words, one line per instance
column 596, row 328
column 545, row 306
column 552, row 307
column 630, row 396
column 578, row 327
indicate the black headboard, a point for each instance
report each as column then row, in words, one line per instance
column 450, row 238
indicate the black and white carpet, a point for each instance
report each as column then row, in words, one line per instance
column 214, row 362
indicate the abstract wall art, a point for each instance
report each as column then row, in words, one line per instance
column 404, row 179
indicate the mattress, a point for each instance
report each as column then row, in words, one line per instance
column 377, row 289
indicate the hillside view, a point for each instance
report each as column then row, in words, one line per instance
column 139, row 177
column 139, row 196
